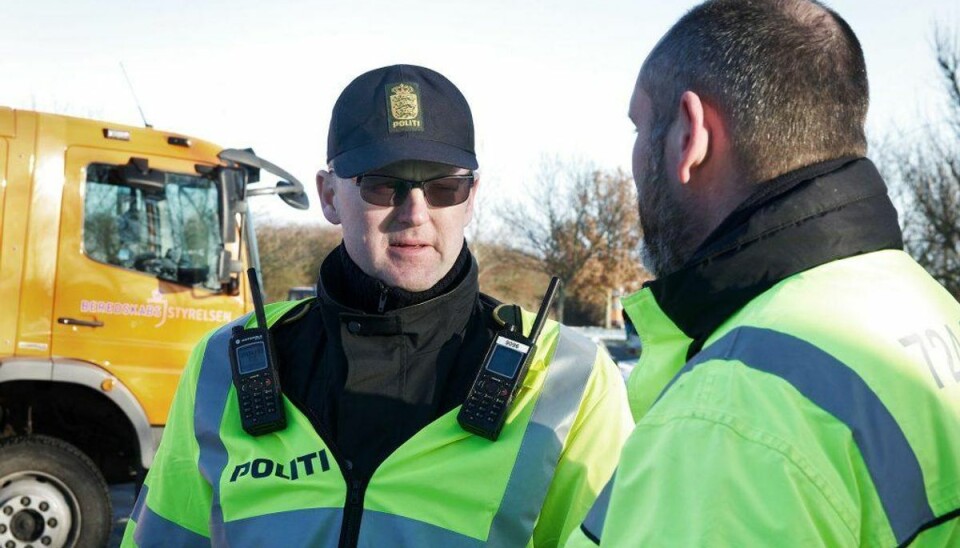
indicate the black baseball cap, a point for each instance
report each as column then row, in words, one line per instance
column 403, row 112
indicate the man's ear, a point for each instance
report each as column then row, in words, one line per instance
column 689, row 137
column 471, row 199
column 327, row 189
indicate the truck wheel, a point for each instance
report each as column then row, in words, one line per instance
column 44, row 484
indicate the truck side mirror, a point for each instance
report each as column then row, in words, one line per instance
column 231, row 191
column 296, row 200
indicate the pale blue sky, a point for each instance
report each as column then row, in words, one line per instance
column 543, row 78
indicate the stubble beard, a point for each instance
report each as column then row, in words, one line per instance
column 664, row 248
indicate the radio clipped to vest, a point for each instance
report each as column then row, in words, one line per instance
column 502, row 372
column 254, row 363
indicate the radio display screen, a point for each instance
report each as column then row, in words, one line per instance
column 251, row 358
column 505, row 361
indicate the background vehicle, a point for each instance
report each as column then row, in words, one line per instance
column 301, row 292
column 119, row 248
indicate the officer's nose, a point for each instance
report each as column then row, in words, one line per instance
column 413, row 210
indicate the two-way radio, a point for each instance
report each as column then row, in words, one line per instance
column 504, row 368
column 254, row 363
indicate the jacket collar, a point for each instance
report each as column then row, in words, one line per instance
column 429, row 324
column 800, row 220
column 664, row 351
column 354, row 288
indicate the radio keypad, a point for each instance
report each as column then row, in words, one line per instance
column 256, row 398
column 488, row 400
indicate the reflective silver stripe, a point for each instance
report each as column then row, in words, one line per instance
column 592, row 526
column 153, row 529
column 556, row 408
column 380, row 529
column 210, row 401
column 307, row 527
column 553, row 415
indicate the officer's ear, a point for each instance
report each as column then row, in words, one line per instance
column 689, row 138
column 327, row 187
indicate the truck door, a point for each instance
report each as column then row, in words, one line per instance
column 137, row 279
column 7, row 291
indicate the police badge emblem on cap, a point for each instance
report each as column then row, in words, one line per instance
column 404, row 107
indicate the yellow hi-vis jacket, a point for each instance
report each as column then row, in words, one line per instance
column 213, row 484
column 823, row 411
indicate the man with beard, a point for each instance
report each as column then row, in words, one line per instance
column 376, row 370
column 800, row 377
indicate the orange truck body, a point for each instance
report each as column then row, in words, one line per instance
column 78, row 310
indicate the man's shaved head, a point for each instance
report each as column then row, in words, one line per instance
column 787, row 75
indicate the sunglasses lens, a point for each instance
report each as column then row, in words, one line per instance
column 447, row 192
column 385, row 191
column 378, row 190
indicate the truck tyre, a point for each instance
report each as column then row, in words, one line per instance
column 51, row 495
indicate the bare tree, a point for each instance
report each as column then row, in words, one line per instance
column 485, row 238
column 617, row 263
column 583, row 228
column 926, row 174
column 291, row 254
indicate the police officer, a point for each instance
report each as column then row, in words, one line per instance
column 799, row 383
column 374, row 371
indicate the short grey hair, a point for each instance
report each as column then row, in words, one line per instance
column 788, row 76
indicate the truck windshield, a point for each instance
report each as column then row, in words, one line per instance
column 170, row 231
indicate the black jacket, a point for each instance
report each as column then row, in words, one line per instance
column 368, row 382
column 800, row 220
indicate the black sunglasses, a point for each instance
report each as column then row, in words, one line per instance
column 387, row 191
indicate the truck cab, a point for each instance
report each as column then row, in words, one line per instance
column 120, row 247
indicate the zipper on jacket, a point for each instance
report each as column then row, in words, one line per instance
column 352, row 514
column 383, row 297
column 353, row 504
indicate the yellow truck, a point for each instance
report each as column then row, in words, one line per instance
column 119, row 248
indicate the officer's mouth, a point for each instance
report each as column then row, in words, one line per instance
column 409, row 248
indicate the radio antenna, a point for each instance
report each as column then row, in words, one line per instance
column 134, row 93
column 257, row 298
column 544, row 308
